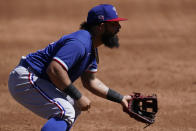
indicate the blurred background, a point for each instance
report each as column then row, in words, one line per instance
column 156, row 55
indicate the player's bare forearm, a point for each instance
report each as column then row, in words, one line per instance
column 60, row 78
column 94, row 85
column 98, row 88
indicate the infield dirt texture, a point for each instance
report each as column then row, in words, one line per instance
column 157, row 55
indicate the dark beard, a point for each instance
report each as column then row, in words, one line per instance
column 110, row 41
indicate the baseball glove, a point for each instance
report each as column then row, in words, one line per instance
column 143, row 108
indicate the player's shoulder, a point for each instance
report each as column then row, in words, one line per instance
column 80, row 39
column 83, row 36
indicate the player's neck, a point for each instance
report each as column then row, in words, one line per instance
column 96, row 41
column 96, row 33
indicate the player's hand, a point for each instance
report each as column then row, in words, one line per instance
column 84, row 103
column 125, row 100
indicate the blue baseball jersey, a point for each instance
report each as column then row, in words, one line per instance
column 74, row 52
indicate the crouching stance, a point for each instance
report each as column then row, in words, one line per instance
column 43, row 81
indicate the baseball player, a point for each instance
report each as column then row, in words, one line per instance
column 43, row 81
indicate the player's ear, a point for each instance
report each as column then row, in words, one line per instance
column 101, row 27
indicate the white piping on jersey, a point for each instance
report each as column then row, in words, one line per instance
column 92, row 70
column 61, row 63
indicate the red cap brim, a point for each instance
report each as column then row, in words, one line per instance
column 118, row 19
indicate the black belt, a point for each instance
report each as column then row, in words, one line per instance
column 24, row 63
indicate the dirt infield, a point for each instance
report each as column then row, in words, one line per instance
column 157, row 55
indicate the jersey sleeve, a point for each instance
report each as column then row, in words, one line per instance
column 92, row 67
column 69, row 54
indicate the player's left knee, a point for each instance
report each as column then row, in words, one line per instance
column 55, row 124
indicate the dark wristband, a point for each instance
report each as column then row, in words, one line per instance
column 114, row 96
column 73, row 92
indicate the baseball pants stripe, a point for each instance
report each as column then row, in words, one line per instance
column 40, row 96
column 45, row 96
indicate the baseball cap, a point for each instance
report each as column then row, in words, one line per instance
column 103, row 12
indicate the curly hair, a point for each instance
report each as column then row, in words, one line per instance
column 86, row 26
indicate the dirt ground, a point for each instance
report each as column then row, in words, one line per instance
column 157, row 55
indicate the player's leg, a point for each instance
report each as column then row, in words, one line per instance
column 55, row 124
column 68, row 110
column 41, row 97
